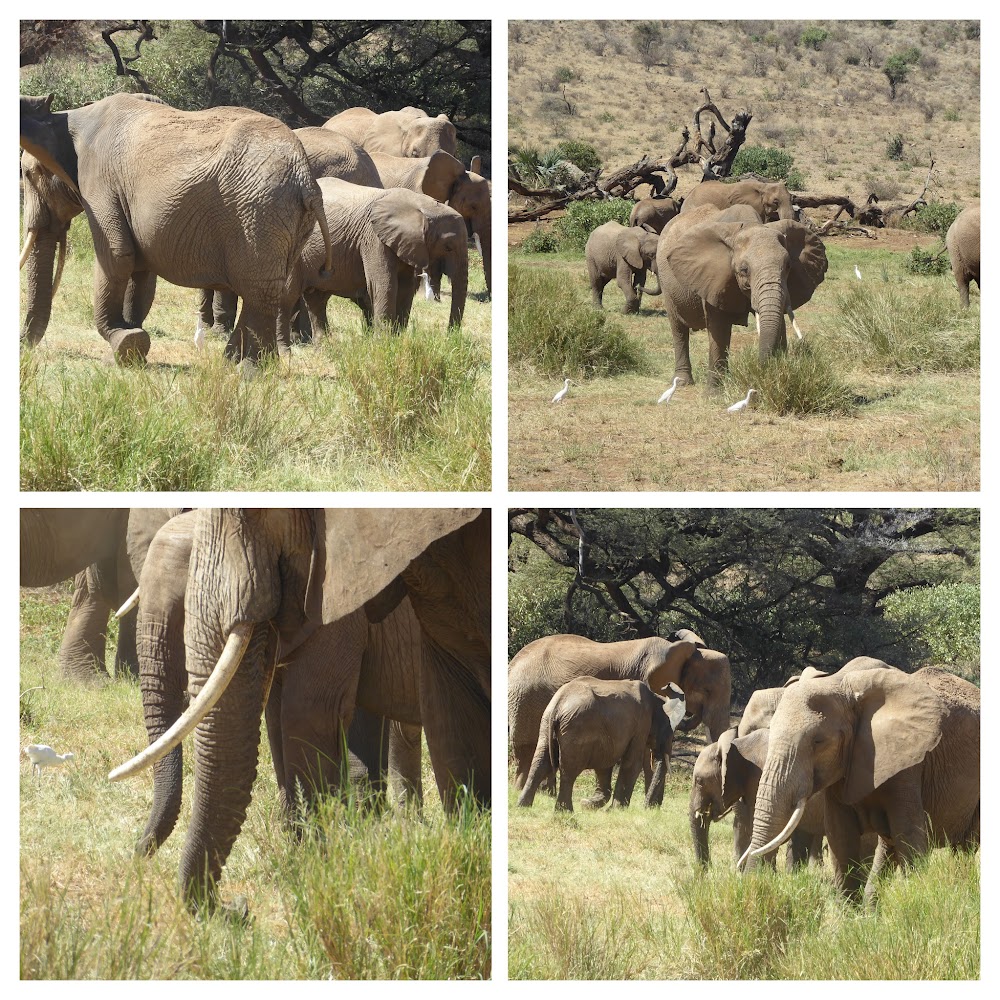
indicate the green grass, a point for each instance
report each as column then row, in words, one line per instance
column 616, row 895
column 361, row 895
column 362, row 410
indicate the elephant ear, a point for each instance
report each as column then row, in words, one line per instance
column 440, row 175
column 742, row 761
column 628, row 247
column 686, row 635
column 808, row 674
column 669, row 666
column 401, row 225
column 806, row 260
column 359, row 552
column 702, row 259
column 897, row 723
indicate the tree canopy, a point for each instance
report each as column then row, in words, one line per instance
column 776, row 589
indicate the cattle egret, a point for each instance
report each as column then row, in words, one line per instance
column 558, row 397
column 857, row 272
column 665, row 398
column 42, row 756
column 199, row 335
column 736, row 407
column 428, row 291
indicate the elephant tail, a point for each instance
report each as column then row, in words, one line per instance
column 552, row 738
column 316, row 205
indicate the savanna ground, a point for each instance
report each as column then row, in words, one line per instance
column 897, row 422
column 362, row 896
column 616, row 894
column 362, row 410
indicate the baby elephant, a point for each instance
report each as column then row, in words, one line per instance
column 962, row 242
column 624, row 254
column 593, row 723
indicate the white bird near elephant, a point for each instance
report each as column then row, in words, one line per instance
column 41, row 756
column 857, row 272
column 665, row 398
column 561, row 394
column 742, row 404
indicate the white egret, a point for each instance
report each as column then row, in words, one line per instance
column 736, row 407
column 857, row 272
column 558, row 397
column 665, row 398
column 199, row 335
column 41, row 756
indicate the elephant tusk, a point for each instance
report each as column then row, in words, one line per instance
column 756, row 320
column 128, row 605
column 28, row 244
column 773, row 845
column 59, row 265
column 795, row 326
column 479, row 246
column 222, row 673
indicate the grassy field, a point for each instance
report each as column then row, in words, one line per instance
column 616, row 895
column 908, row 420
column 361, row 411
column 362, row 896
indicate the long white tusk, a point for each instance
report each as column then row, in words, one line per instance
column 214, row 688
column 128, row 605
column 59, row 265
column 28, row 244
column 756, row 319
column 773, row 845
column 795, row 326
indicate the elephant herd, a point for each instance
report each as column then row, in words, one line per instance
column 881, row 764
column 327, row 621
column 249, row 208
column 726, row 251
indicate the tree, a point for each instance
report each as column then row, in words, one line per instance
column 895, row 70
column 647, row 40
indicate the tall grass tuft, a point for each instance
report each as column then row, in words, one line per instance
column 920, row 330
column 555, row 331
column 801, row 381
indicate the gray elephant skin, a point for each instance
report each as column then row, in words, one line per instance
column 624, row 254
column 771, row 200
column 262, row 581
column 199, row 219
column 592, row 723
column 962, row 241
column 381, row 238
column 895, row 754
column 653, row 213
column 542, row 667
column 716, row 267
column 407, row 132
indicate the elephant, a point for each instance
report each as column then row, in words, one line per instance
column 444, row 178
column 962, row 241
column 539, row 669
column 346, row 662
column 894, row 754
column 260, row 582
column 381, row 238
column 407, row 132
column 725, row 777
column 624, row 254
column 713, row 272
column 230, row 208
column 653, row 213
column 594, row 723
column 759, row 710
column 771, row 200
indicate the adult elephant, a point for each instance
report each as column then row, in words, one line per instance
column 260, row 582
column 716, row 267
column 653, row 213
column 444, row 178
column 624, row 254
column 771, row 200
column 381, row 238
column 895, row 754
column 407, row 132
column 962, row 241
column 198, row 218
column 539, row 669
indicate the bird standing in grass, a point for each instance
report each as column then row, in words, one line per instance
column 665, row 398
column 41, row 756
column 742, row 404
column 857, row 272
column 558, row 397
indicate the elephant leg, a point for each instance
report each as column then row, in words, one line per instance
column 626, row 282
column 302, row 331
column 82, row 652
column 742, row 828
column 720, row 334
column 602, row 793
column 382, row 290
column 597, row 283
column 404, row 763
column 406, row 289
column 139, row 294
column 223, row 314
column 315, row 306
column 798, row 850
column 126, row 656
column 682, row 352
column 843, row 834
column 883, row 862
column 567, row 778
column 255, row 333
column 628, row 774
column 541, row 770
column 523, row 755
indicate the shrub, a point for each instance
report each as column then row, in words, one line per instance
column 895, row 69
column 894, row 147
column 583, row 217
column 813, row 38
column 580, row 154
column 764, row 160
column 926, row 261
column 910, row 55
column 541, row 241
column 565, row 75
column 934, row 217
column 554, row 330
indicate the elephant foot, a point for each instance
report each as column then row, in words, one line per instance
column 594, row 802
column 130, row 346
column 684, row 378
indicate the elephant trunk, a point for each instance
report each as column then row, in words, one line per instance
column 41, row 256
column 777, row 812
column 457, row 268
column 486, row 249
column 654, row 795
column 769, row 302
column 700, row 820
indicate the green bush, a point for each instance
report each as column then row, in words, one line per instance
column 813, row 38
column 934, row 217
column 764, row 160
column 796, row 180
column 541, row 241
column 895, row 69
column 580, row 154
column 894, row 147
column 910, row 55
column 933, row 261
column 554, row 330
column 583, row 217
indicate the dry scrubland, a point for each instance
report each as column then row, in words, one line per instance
column 362, row 896
column 907, row 425
column 616, row 895
column 361, row 411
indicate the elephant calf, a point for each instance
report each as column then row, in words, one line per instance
column 624, row 254
column 599, row 723
column 962, row 241
column 653, row 213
